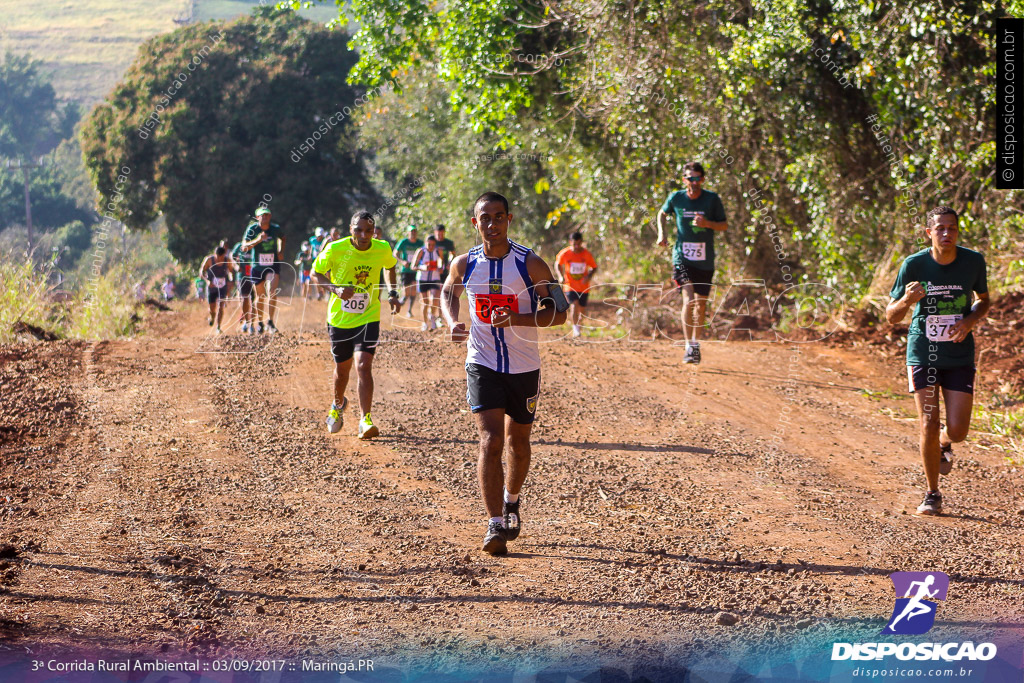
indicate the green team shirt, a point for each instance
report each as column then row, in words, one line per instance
column 948, row 300
column 360, row 270
column 405, row 249
column 314, row 246
column 447, row 248
column 237, row 255
column 694, row 246
column 252, row 231
column 304, row 259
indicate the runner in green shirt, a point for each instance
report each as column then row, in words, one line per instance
column 242, row 263
column 946, row 285
column 303, row 260
column 350, row 270
column 404, row 250
column 699, row 214
column 264, row 242
column 448, row 254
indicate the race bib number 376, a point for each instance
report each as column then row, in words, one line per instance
column 938, row 327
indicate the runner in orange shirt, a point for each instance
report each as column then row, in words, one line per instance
column 576, row 266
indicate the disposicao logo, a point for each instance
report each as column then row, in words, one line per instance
column 914, row 614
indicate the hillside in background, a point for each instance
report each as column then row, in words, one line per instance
column 88, row 44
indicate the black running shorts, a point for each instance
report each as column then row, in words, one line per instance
column 427, row 286
column 574, row 296
column 346, row 341
column 516, row 394
column 215, row 294
column 256, row 275
column 954, row 379
column 698, row 277
column 408, row 279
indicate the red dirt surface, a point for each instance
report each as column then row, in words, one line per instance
column 178, row 492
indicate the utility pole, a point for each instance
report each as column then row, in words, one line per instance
column 25, row 166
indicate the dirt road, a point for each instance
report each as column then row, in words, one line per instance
column 179, row 492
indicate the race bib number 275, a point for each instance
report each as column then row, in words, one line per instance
column 694, row 251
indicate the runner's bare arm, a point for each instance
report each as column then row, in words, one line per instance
column 325, row 282
column 450, row 293
column 663, row 223
column 702, row 222
column 546, row 315
column 204, row 267
column 280, row 249
column 897, row 309
column 978, row 312
column 416, row 260
column 392, row 284
column 246, row 246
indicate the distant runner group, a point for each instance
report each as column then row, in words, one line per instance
column 511, row 292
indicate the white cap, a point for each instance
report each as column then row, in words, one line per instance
column 319, row 232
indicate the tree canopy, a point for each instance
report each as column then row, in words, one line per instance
column 839, row 123
column 213, row 119
column 31, row 121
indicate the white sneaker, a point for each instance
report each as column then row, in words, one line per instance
column 245, row 327
column 336, row 416
column 433, row 323
column 423, row 327
column 367, row 430
column 576, row 331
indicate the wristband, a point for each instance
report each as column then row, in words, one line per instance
column 393, row 294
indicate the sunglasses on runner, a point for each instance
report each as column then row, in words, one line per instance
column 694, row 179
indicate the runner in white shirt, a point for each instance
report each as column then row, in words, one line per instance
column 427, row 264
column 511, row 293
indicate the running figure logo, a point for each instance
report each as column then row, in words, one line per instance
column 914, row 612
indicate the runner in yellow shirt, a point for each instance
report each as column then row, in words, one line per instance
column 350, row 269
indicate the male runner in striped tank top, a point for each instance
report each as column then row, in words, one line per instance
column 507, row 287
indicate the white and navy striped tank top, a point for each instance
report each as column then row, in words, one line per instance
column 492, row 283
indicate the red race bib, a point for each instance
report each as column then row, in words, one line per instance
column 485, row 303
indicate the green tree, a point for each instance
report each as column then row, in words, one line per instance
column 31, row 121
column 51, row 207
column 790, row 101
column 204, row 150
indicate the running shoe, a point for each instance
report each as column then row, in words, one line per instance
column 335, row 418
column 260, row 329
column 209, row 320
column 245, row 327
column 695, row 355
column 513, row 522
column 271, row 327
column 496, row 540
column 946, row 463
column 932, row 504
column 423, row 327
column 367, row 430
column 576, row 331
column 219, row 331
